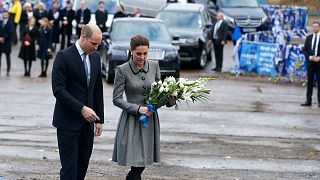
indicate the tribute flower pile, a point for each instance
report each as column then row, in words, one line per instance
column 181, row 88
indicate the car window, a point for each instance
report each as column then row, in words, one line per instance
column 237, row 3
column 154, row 31
column 181, row 19
column 93, row 5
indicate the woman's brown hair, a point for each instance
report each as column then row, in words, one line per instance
column 136, row 41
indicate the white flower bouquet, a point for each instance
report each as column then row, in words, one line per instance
column 181, row 89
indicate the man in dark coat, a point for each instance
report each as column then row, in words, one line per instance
column 218, row 37
column 101, row 17
column 6, row 33
column 78, row 113
column 312, row 54
column 67, row 16
column 83, row 16
column 54, row 18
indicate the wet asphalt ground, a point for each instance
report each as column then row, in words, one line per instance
column 250, row 129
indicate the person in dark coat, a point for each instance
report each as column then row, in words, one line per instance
column 40, row 13
column 312, row 53
column 218, row 36
column 78, row 112
column 101, row 17
column 83, row 16
column 67, row 16
column 120, row 12
column 44, row 45
column 28, row 49
column 25, row 15
column 54, row 18
column 6, row 33
column 136, row 12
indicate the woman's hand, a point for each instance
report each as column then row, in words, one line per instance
column 26, row 43
column 145, row 110
column 171, row 101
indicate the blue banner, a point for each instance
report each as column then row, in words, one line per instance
column 258, row 58
column 295, row 61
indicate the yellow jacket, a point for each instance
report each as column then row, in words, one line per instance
column 16, row 9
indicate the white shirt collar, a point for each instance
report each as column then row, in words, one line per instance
column 80, row 51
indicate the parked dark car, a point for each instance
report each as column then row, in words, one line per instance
column 115, row 47
column 190, row 25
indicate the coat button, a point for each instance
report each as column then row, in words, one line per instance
column 144, row 94
column 143, row 78
column 144, row 87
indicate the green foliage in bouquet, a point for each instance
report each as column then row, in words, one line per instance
column 181, row 88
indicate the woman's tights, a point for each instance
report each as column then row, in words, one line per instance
column 135, row 173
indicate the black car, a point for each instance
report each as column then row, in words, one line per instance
column 189, row 24
column 115, row 47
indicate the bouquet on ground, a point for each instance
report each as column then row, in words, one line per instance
column 180, row 88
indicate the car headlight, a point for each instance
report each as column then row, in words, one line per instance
column 229, row 19
column 264, row 19
column 171, row 54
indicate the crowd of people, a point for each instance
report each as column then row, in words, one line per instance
column 42, row 30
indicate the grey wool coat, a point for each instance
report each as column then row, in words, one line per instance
column 135, row 145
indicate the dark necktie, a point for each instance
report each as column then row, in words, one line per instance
column 84, row 56
column 314, row 43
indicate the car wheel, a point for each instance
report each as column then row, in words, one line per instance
column 109, row 76
column 202, row 62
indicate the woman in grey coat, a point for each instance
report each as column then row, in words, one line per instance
column 136, row 145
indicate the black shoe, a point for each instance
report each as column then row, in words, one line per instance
column 8, row 74
column 216, row 69
column 25, row 74
column 306, row 104
column 41, row 75
column 319, row 105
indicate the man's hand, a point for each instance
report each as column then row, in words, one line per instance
column 98, row 130
column 223, row 43
column 317, row 59
column 65, row 22
column 312, row 58
column 209, row 41
column 89, row 114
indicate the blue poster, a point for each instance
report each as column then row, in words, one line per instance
column 258, row 58
column 295, row 61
